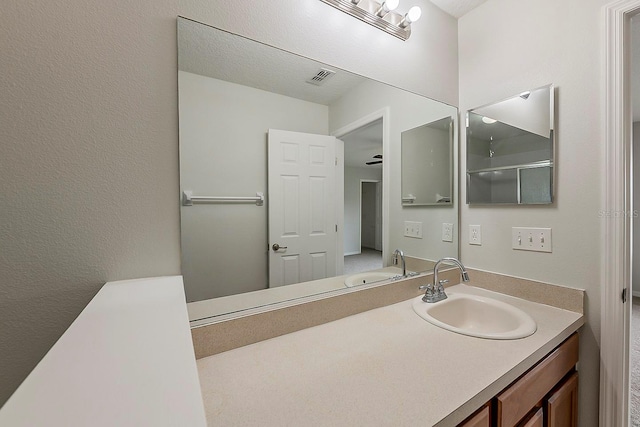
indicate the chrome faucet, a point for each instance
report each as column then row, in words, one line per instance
column 404, row 264
column 435, row 291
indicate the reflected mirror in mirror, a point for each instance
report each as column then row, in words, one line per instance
column 290, row 175
column 510, row 146
column 427, row 167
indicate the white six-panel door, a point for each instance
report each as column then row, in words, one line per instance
column 302, row 207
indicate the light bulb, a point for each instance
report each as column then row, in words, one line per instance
column 414, row 14
column 488, row 120
column 391, row 4
column 386, row 7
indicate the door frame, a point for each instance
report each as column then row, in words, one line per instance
column 383, row 114
column 376, row 181
column 616, row 229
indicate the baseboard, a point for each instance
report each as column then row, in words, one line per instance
column 635, row 293
column 352, row 253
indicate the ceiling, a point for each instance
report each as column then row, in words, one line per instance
column 457, row 8
column 225, row 56
column 362, row 144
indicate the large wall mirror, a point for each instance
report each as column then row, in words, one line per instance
column 290, row 175
column 510, row 146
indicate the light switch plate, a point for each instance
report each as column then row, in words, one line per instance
column 447, row 232
column 531, row 239
column 413, row 229
column 475, row 235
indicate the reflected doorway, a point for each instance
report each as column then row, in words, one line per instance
column 371, row 215
column 363, row 190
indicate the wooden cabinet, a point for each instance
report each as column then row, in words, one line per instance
column 546, row 395
column 514, row 403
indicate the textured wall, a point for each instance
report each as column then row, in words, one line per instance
column 89, row 134
column 532, row 44
column 88, row 166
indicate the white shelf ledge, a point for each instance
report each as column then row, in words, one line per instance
column 127, row 360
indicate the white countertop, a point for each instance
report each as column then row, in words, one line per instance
column 386, row 366
column 127, row 360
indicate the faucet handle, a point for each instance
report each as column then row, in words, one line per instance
column 439, row 288
column 430, row 289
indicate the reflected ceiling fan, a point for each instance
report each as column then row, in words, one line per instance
column 375, row 162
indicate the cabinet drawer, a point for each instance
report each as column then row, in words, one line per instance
column 517, row 400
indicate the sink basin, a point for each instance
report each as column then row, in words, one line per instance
column 477, row 316
column 368, row 277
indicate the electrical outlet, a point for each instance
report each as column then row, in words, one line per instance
column 475, row 235
column 447, row 232
column 531, row 239
column 413, row 229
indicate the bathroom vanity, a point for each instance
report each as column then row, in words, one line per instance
column 388, row 366
column 384, row 366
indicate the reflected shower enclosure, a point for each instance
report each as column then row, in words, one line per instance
column 510, row 146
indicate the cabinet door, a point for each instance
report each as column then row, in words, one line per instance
column 536, row 420
column 482, row 418
column 562, row 405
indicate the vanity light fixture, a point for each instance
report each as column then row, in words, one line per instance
column 380, row 15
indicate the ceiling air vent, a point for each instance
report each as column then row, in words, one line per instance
column 321, row 77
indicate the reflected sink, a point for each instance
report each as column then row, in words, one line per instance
column 477, row 316
column 368, row 277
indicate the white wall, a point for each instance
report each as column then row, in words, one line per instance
column 352, row 177
column 223, row 152
column 506, row 47
column 89, row 164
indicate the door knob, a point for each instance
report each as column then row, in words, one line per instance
column 277, row 247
